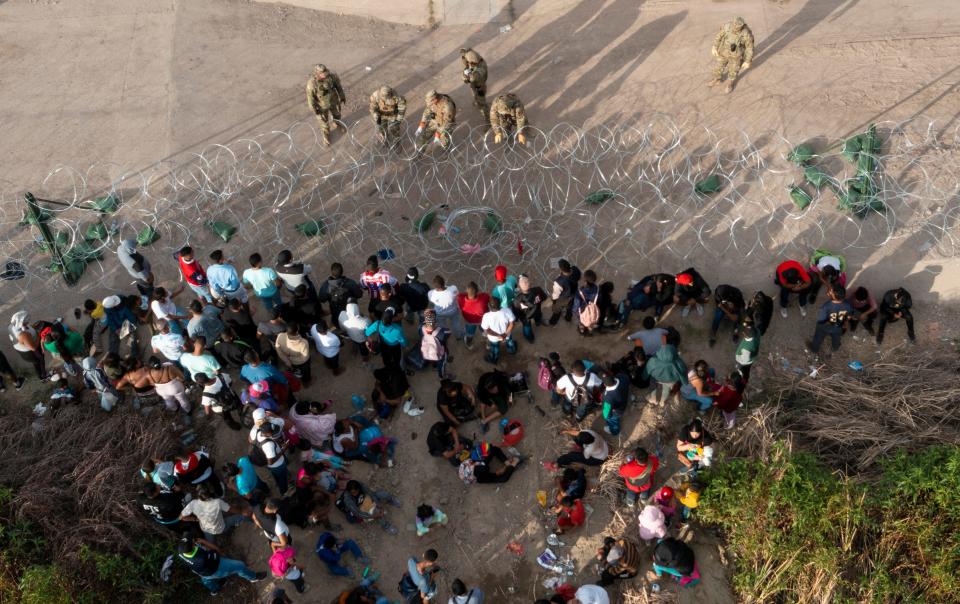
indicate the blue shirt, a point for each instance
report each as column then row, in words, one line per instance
column 262, row 280
column 207, row 324
column 421, row 581
column 506, row 291
column 222, row 278
column 263, row 371
column 391, row 335
column 835, row 313
column 247, row 478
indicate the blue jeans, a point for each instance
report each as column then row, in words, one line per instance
column 690, row 393
column 452, row 322
column 228, row 567
column 824, row 330
column 785, row 297
column 471, row 329
column 347, row 546
column 270, row 302
column 718, row 317
column 202, row 291
column 229, row 522
column 281, row 476
column 493, row 349
column 613, row 423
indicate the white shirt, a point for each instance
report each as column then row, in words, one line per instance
column 497, row 321
column 210, row 391
column 163, row 309
column 328, row 344
column 829, row 261
column 270, row 448
column 592, row 594
column 169, row 344
column 444, row 302
column 598, row 449
column 209, row 514
column 568, row 383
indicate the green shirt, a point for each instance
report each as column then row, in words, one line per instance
column 747, row 350
column 506, row 291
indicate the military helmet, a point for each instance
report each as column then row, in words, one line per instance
column 320, row 68
column 738, row 23
column 510, row 100
column 386, row 91
column 431, row 94
column 471, row 56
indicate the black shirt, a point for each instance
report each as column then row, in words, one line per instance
column 439, row 439
column 165, row 508
column 889, row 305
column 204, row 562
column 761, row 311
column 570, row 283
column 242, row 323
column 699, row 289
column 231, row 353
column 703, row 440
column 393, row 382
column 501, row 399
column 414, row 293
column 665, row 295
column 459, row 405
column 730, row 297
column 528, row 303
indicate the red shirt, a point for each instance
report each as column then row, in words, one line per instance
column 577, row 514
column 192, row 271
column 728, row 399
column 473, row 310
column 633, row 474
column 788, row 265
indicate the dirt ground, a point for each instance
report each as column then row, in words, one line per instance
column 137, row 84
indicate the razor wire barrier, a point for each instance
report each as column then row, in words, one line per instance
column 607, row 197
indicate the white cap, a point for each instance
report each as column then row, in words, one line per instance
column 259, row 414
column 111, row 302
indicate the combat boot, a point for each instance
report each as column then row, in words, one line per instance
column 713, row 82
column 729, row 87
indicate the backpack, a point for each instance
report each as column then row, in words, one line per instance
column 581, row 395
column 256, row 455
column 544, row 376
column 431, row 347
column 590, row 314
column 408, row 589
column 338, row 292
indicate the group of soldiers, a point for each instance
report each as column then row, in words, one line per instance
column 506, row 115
column 732, row 49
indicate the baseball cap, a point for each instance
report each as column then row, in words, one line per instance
column 259, row 415
column 685, row 279
column 258, row 388
column 500, row 273
column 111, row 302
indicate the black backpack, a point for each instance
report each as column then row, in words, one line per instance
column 256, row 455
column 674, row 554
column 338, row 292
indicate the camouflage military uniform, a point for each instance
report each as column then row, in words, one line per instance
column 733, row 48
column 475, row 74
column 324, row 97
column 506, row 114
column 439, row 118
column 387, row 109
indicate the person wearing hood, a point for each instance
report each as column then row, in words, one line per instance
column 668, row 369
column 95, row 379
column 116, row 314
column 652, row 523
column 137, row 265
column 414, row 295
column 26, row 341
column 527, row 306
column 354, row 325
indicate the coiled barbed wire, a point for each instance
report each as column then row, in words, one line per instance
column 373, row 198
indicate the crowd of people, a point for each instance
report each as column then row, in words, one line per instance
column 242, row 343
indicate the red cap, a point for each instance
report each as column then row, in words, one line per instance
column 665, row 493
column 500, row 273
column 685, row 279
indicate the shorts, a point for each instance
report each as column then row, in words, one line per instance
column 238, row 294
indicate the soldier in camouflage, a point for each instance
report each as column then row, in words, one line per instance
column 439, row 118
column 733, row 49
column 506, row 114
column 324, row 97
column 387, row 109
column 475, row 75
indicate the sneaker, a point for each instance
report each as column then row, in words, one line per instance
column 783, row 312
column 685, row 311
column 607, row 430
column 259, row 577
column 3, row 389
column 700, row 309
column 803, row 312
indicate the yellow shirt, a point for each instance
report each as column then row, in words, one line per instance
column 98, row 312
column 690, row 499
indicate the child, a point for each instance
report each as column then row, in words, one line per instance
column 664, row 499
column 689, row 499
column 555, row 368
column 283, row 565
column 570, row 514
column 428, row 515
column 433, row 343
column 729, row 398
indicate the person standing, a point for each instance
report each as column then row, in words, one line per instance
column 896, row 305
column 204, row 322
column 506, row 288
column 638, row 474
column 733, row 50
column 6, row 371
column 388, row 335
column 473, row 305
column 527, row 306
column 565, row 287
column 668, row 369
column 328, row 345
column 444, row 300
column 294, row 274
column 268, row 434
column 337, row 291
column 207, row 510
column 793, row 278
column 224, row 281
column 116, row 316
column 264, row 282
column 354, row 325
column 418, row 580
column 324, row 97
column 475, row 76
column 747, row 351
column 205, row 560
column 137, row 266
column 832, row 320
column 414, row 295
column 650, row 338
column 498, row 325
column 616, row 395
column 387, row 109
column 374, row 278
column 293, row 350
column 730, row 306
column 193, row 274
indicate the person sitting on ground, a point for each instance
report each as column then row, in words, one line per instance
column 826, row 269
column 618, row 559
column 477, row 468
column 493, row 392
column 361, row 504
column 638, row 474
column 444, row 441
column 311, row 501
column 163, row 507
column 456, row 402
column 571, row 483
column 694, row 446
column 390, row 389
column 354, row 436
column 674, row 557
column 570, row 514
column 427, row 515
column 700, row 387
column 793, row 278
column 590, row 449
column 896, row 305
column 691, row 291
column 330, row 550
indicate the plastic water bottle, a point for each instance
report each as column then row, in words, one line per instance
column 358, row 402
